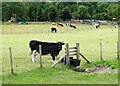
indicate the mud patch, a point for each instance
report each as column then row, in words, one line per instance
column 99, row 69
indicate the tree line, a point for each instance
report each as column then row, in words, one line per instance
column 59, row 11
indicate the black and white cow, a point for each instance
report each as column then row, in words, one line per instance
column 97, row 25
column 60, row 24
column 72, row 26
column 47, row 48
column 116, row 26
column 53, row 29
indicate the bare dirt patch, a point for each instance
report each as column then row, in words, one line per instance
column 99, row 69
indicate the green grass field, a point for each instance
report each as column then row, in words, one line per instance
column 18, row 36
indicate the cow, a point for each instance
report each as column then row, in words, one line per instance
column 96, row 25
column 116, row 26
column 67, row 24
column 60, row 24
column 46, row 48
column 53, row 29
column 72, row 26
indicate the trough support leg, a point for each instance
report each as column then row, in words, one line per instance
column 84, row 58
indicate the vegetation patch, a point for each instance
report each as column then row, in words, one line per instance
column 99, row 69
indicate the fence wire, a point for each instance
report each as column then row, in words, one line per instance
column 22, row 60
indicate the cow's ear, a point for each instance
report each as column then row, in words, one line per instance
column 63, row 43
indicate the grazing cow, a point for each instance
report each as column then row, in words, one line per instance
column 72, row 26
column 53, row 29
column 96, row 25
column 67, row 24
column 60, row 24
column 116, row 26
column 47, row 48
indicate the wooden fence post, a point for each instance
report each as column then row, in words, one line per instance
column 101, row 51
column 118, row 51
column 78, row 50
column 67, row 53
column 40, row 54
column 11, row 63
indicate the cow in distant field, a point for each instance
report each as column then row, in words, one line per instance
column 96, row 25
column 53, row 29
column 72, row 26
column 60, row 24
column 67, row 24
column 116, row 26
column 46, row 48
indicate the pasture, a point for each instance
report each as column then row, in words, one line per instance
column 18, row 36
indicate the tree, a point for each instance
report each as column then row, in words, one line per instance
column 6, row 11
column 33, row 11
column 91, row 10
column 118, row 21
column 75, row 15
column 112, row 10
column 18, row 8
column 101, row 7
column 65, row 14
column 52, row 13
column 83, row 11
column 44, row 11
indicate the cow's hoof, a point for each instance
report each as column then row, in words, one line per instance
column 54, row 62
column 33, row 60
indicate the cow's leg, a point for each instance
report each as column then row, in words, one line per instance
column 33, row 56
column 95, row 26
column 53, row 57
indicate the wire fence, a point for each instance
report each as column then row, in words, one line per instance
column 21, row 59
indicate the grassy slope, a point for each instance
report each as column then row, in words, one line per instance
column 26, row 71
column 59, row 75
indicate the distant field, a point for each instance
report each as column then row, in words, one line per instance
column 18, row 36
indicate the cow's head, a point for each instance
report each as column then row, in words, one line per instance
column 60, row 45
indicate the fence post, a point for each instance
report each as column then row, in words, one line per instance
column 11, row 63
column 67, row 54
column 78, row 50
column 118, row 50
column 40, row 54
column 101, row 51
